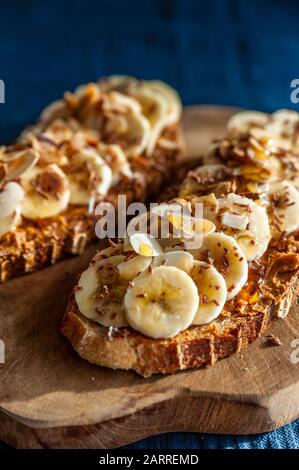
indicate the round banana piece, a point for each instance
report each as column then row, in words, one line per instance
column 47, row 192
column 246, row 221
column 11, row 196
column 126, row 122
column 100, row 292
column 15, row 164
column 88, row 175
column 155, row 108
column 130, row 268
column 161, row 303
column 180, row 259
column 284, row 206
column 227, row 257
column 117, row 160
column 171, row 96
column 203, row 177
column 212, row 292
column 282, row 126
column 241, row 123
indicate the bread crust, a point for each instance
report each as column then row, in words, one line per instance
column 36, row 244
column 197, row 346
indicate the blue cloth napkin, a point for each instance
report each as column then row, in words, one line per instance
column 230, row 52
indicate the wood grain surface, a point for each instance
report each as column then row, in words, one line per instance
column 49, row 397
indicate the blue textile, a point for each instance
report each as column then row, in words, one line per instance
column 231, row 52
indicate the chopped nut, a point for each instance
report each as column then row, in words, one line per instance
column 273, row 340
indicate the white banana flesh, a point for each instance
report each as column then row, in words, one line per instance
column 225, row 254
column 284, row 206
column 212, row 292
column 156, row 109
column 246, row 221
column 47, row 192
column 162, row 303
column 145, row 245
column 130, row 268
column 89, row 176
column 115, row 157
column 17, row 163
column 241, row 123
column 179, row 259
column 172, row 98
column 204, row 176
column 125, row 119
column 282, row 126
column 11, row 196
column 100, row 292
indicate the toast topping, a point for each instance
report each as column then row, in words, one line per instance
column 88, row 142
column 46, row 191
column 247, row 205
column 11, row 195
column 161, row 303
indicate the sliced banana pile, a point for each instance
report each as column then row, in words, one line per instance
column 282, row 126
column 12, row 166
column 163, row 289
column 88, row 174
column 82, row 145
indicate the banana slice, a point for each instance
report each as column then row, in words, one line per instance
column 117, row 160
column 162, row 303
column 16, row 163
column 203, row 177
column 116, row 82
column 282, row 126
column 100, row 292
column 227, row 257
column 212, row 292
column 155, row 108
column 284, row 206
column 172, row 97
column 180, row 259
column 11, row 196
column 115, row 102
column 88, row 174
column 126, row 124
column 241, row 123
column 130, row 268
column 47, row 192
column 160, row 103
column 246, row 221
column 145, row 245
column 164, row 209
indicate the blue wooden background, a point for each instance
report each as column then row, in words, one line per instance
column 242, row 53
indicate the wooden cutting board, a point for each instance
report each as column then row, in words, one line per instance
column 49, row 397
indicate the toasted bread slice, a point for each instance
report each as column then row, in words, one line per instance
column 268, row 230
column 66, row 129
column 198, row 346
column 36, row 244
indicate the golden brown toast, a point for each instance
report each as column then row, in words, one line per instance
column 242, row 321
column 246, row 164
